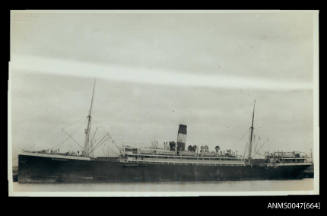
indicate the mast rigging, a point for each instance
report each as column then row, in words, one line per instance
column 88, row 127
column 251, row 135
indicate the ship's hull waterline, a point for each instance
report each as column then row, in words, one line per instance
column 36, row 169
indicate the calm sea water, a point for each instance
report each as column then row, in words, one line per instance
column 220, row 186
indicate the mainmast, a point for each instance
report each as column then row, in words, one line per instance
column 251, row 134
column 88, row 127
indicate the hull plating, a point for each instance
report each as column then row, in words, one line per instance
column 34, row 169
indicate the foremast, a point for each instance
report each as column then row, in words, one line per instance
column 86, row 151
column 251, row 135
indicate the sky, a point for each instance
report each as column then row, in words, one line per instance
column 155, row 70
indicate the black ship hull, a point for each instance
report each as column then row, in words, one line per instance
column 35, row 169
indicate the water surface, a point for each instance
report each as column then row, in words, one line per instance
column 217, row 186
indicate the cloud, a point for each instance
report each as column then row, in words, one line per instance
column 149, row 76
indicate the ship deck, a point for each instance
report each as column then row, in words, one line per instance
column 57, row 156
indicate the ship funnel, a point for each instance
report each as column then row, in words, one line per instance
column 181, row 137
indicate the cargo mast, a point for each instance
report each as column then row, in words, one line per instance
column 88, row 127
column 251, row 134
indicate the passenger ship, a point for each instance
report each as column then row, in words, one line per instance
column 172, row 163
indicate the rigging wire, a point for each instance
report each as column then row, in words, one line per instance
column 101, row 142
column 260, row 147
column 58, row 145
column 246, row 147
column 72, row 138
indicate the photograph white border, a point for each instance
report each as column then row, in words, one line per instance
column 316, row 128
